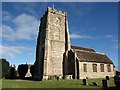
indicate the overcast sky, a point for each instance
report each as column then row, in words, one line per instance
column 90, row 24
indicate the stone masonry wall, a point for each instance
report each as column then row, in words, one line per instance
column 98, row 74
column 55, row 43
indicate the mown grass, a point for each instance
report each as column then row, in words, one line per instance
column 0, row 83
column 53, row 83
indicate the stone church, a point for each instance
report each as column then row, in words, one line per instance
column 56, row 57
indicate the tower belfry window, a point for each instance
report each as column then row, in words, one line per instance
column 58, row 21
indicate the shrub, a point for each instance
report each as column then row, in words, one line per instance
column 5, row 68
column 32, row 70
column 22, row 70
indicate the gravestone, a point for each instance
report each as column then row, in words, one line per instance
column 107, row 78
column 84, row 82
column 117, row 80
column 57, row 78
column 93, row 84
column 104, row 83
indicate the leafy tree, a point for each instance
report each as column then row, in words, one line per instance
column 117, row 72
column 22, row 70
column 13, row 72
column 5, row 68
column 32, row 70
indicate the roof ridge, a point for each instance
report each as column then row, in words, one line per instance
column 81, row 47
column 92, row 52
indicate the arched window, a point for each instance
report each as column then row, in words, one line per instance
column 102, row 67
column 85, row 67
column 94, row 67
column 58, row 21
column 109, row 68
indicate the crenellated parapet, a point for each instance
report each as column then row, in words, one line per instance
column 55, row 11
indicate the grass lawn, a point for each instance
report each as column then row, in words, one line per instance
column 0, row 84
column 53, row 83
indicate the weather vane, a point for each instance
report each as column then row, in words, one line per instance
column 53, row 6
column 91, row 46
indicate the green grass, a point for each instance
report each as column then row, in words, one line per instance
column 0, row 84
column 52, row 83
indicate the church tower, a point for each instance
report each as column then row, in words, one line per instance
column 52, row 43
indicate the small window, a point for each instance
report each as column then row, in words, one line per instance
column 85, row 67
column 94, row 67
column 102, row 67
column 109, row 68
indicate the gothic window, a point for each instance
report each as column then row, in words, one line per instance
column 58, row 21
column 109, row 68
column 94, row 67
column 56, row 33
column 102, row 67
column 85, row 67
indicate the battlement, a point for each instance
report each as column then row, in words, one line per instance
column 54, row 11
column 49, row 9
